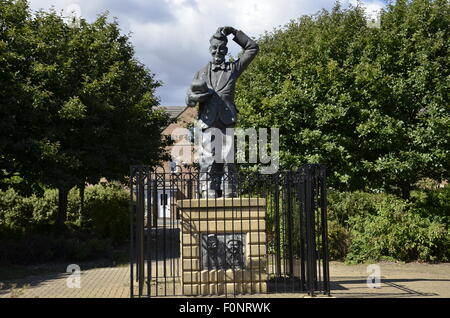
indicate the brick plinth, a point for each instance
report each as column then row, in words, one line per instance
column 223, row 216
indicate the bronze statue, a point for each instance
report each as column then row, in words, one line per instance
column 213, row 89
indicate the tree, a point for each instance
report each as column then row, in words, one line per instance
column 91, row 104
column 370, row 103
column 16, row 111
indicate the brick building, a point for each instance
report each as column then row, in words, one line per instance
column 183, row 116
column 168, row 194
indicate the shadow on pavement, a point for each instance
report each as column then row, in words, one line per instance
column 342, row 284
column 51, row 272
column 16, row 286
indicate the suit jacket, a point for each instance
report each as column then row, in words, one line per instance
column 220, row 105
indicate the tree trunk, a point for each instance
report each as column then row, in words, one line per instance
column 406, row 189
column 63, row 194
column 81, row 188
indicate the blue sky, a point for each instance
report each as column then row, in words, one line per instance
column 171, row 36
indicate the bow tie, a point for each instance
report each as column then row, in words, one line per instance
column 216, row 67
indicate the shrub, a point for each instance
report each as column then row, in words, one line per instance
column 45, row 208
column 433, row 203
column 344, row 205
column 338, row 240
column 369, row 227
column 27, row 224
column 106, row 211
column 16, row 212
column 398, row 234
column 30, row 214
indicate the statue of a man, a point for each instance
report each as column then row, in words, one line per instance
column 213, row 88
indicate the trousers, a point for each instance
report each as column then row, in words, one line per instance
column 217, row 167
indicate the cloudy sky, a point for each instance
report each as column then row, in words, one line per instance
column 171, row 37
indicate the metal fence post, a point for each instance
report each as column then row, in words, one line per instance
column 310, row 254
column 132, row 215
column 324, row 205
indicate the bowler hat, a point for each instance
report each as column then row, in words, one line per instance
column 199, row 88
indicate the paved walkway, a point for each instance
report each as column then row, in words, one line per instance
column 94, row 283
column 397, row 280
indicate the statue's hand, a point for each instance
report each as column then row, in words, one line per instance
column 204, row 98
column 228, row 30
column 192, row 99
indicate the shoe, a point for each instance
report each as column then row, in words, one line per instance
column 211, row 194
column 230, row 195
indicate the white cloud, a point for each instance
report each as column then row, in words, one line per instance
column 171, row 36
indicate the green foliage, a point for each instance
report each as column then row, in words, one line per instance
column 343, row 206
column 26, row 223
column 16, row 212
column 19, row 214
column 398, row 235
column 75, row 103
column 106, row 212
column 338, row 240
column 95, row 100
column 433, row 203
column 366, row 227
column 14, row 91
column 370, row 103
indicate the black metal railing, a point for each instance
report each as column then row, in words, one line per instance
column 293, row 257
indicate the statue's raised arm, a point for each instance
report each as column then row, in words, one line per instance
column 250, row 48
